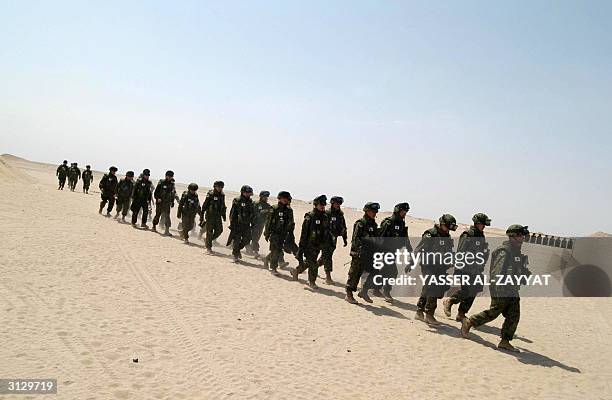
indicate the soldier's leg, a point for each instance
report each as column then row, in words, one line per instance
column 145, row 214
column 236, row 244
column 431, row 304
column 102, row 203
column 167, row 220
column 327, row 257
column 512, row 315
column 422, row 300
column 218, row 228
column 313, row 266
column 497, row 306
column 126, row 206
column 158, row 214
column 135, row 209
column 466, row 304
column 354, row 274
column 111, row 203
column 210, row 232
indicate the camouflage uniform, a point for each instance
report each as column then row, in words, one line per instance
column 262, row 210
column 108, row 190
column 62, row 173
column 434, row 241
column 74, row 173
column 278, row 230
column 471, row 241
column 141, row 198
column 87, row 177
column 505, row 260
column 164, row 196
column 213, row 210
column 242, row 217
column 315, row 236
column 363, row 228
column 337, row 225
column 394, row 226
column 188, row 208
column 124, row 195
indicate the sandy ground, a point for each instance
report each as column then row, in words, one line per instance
column 83, row 294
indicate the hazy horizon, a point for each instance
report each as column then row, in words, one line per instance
column 458, row 108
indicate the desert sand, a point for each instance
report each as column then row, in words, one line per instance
column 82, row 295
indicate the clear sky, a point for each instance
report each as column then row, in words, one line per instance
column 462, row 107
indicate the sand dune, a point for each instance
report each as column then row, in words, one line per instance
column 82, row 295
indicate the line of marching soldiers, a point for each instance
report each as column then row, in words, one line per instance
column 73, row 173
column 321, row 228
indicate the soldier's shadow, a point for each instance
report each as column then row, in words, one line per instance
column 525, row 356
column 496, row 331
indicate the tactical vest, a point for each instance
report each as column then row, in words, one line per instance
column 281, row 220
column 337, row 224
column 190, row 204
column 318, row 227
column 244, row 210
column 216, row 204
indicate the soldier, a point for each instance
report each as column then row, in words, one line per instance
column 213, row 211
column 74, row 173
column 279, row 228
column 434, row 245
column 125, row 188
column 394, row 226
column 141, row 198
column 337, row 228
column 262, row 210
column 108, row 190
column 242, row 218
column 188, row 208
column 315, row 236
column 471, row 241
column 164, row 200
column 506, row 260
column 62, row 173
column 363, row 228
column 87, row 177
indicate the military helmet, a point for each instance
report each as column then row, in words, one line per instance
column 401, row 207
column 372, row 206
column 448, row 220
column 284, row 195
column 246, row 189
column 193, row 186
column 169, row 173
column 75, row 164
column 264, row 193
column 113, row 168
column 337, row 199
column 516, row 230
column 146, row 172
column 481, row 218
column 65, row 162
column 219, row 184
column 88, row 166
column 322, row 199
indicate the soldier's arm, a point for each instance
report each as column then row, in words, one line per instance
column 267, row 226
column 424, row 243
column 305, row 229
column 463, row 242
column 223, row 209
column 179, row 210
column 233, row 215
column 497, row 263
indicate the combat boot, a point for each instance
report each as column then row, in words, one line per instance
column 376, row 292
column 419, row 316
column 100, row 210
column 116, row 215
column 505, row 345
column 236, row 258
column 283, row 263
column 294, row 274
column 123, row 218
column 167, row 232
column 460, row 316
column 430, row 319
column 387, row 295
column 154, row 229
column 273, row 271
column 209, row 251
column 447, row 307
column 144, row 226
column 363, row 293
column 349, row 297
column 312, row 285
column 328, row 278
column 266, row 261
column 466, row 325
column 108, row 213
